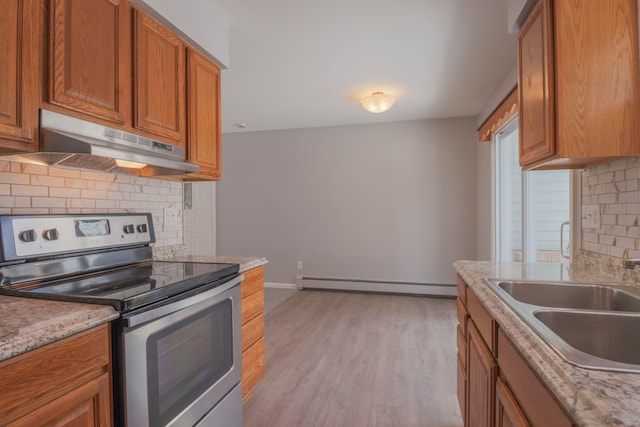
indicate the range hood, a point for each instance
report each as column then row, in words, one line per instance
column 70, row 142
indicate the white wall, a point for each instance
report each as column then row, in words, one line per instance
column 393, row 201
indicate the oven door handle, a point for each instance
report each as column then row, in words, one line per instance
column 137, row 319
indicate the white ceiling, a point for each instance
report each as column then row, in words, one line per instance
column 306, row 63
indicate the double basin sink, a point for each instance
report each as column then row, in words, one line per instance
column 594, row 326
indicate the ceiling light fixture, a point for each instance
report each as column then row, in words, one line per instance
column 377, row 102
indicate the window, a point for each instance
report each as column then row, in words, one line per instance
column 530, row 207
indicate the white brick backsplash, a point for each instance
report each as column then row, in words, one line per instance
column 625, row 242
column 14, row 178
column 49, row 181
column 34, row 189
column 607, row 199
column 627, row 220
column 615, row 187
column 605, row 178
column 629, row 197
column 618, row 165
column 34, row 169
column 48, row 202
column 66, row 173
column 69, row 193
column 29, row 190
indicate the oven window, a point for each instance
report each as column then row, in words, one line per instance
column 187, row 358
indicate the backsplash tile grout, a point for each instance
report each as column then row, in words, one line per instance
column 35, row 189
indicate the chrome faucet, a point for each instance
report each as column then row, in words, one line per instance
column 630, row 263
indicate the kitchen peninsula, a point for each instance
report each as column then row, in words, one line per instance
column 585, row 397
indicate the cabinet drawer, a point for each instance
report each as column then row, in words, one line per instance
column 33, row 379
column 252, row 331
column 253, row 282
column 462, row 289
column 462, row 390
column 461, row 311
column 535, row 400
column 483, row 321
column 252, row 368
column 252, row 306
column 462, row 346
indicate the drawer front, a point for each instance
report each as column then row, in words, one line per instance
column 483, row 321
column 252, row 331
column 252, row 368
column 252, row 306
column 253, row 282
column 462, row 391
column 32, row 379
column 462, row 347
column 462, row 289
column 461, row 311
column 538, row 404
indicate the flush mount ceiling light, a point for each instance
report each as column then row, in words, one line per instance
column 377, row 102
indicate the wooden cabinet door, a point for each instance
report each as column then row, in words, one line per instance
column 159, row 79
column 18, row 74
column 89, row 406
column 203, row 115
column 482, row 372
column 89, row 67
column 536, row 87
column 597, row 78
column 508, row 412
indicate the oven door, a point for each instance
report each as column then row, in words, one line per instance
column 182, row 358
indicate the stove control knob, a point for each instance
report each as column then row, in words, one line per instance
column 51, row 234
column 128, row 229
column 28, row 235
column 142, row 228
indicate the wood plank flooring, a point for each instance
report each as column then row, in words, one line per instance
column 351, row 359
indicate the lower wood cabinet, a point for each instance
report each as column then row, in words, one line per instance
column 482, row 372
column 252, row 294
column 508, row 412
column 496, row 386
column 65, row 383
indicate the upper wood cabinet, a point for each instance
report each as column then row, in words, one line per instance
column 19, row 75
column 535, row 59
column 579, row 88
column 89, row 57
column 159, row 79
column 203, row 116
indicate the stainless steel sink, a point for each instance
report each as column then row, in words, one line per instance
column 608, row 336
column 590, row 325
column 571, row 295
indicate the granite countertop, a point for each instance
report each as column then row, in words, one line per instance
column 593, row 398
column 28, row 323
column 246, row 262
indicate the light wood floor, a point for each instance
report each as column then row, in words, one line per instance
column 349, row 359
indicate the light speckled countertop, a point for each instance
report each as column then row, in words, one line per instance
column 27, row 323
column 246, row 262
column 593, row 398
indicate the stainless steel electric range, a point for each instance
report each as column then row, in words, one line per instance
column 176, row 345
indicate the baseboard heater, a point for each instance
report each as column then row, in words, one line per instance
column 365, row 285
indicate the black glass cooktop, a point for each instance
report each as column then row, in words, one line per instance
column 129, row 287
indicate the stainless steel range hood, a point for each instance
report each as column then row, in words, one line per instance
column 70, row 142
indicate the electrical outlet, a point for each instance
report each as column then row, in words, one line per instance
column 299, row 265
column 591, row 216
column 171, row 216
